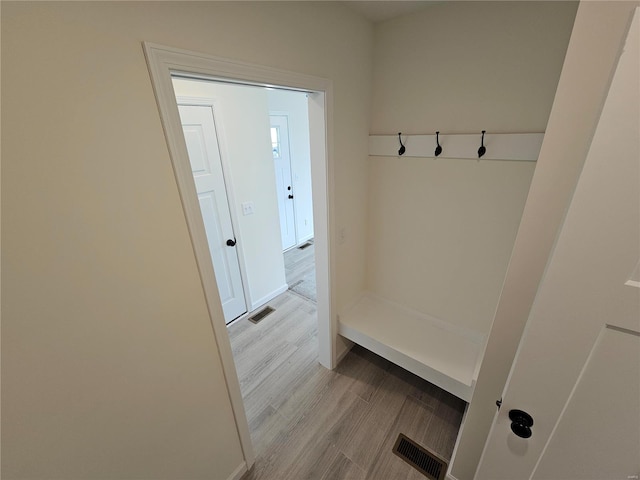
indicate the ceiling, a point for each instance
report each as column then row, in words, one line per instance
column 381, row 10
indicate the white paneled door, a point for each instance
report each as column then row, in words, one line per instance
column 577, row 372
column 284, row 184
column 204, row 154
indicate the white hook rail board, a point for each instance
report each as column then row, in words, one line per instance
column 500, row 146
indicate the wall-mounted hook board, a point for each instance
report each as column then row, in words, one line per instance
column 500, row 146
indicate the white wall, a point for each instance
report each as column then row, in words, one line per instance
column 295, row 106
column 242, row 121
column 441, row 230
column 109, row 363
column 600, row 28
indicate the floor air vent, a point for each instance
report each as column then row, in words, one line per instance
column 261, row 314
column 302, row 247
column 426, row 462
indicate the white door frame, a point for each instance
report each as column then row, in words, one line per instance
column 162, row 63
column 228, row 184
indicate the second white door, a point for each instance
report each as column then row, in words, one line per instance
column 284, row 184
column 204, row 154
column 577, row 372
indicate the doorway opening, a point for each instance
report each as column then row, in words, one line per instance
column 289, row 132
column 248, row 148
column 249, row 152
column 164, row 63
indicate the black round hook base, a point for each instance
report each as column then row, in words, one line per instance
column 521, row 423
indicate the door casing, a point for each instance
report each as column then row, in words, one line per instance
column 163, row 62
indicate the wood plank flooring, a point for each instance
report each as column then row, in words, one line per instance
column 308, row 422
column 300, row 271
column 299, row 262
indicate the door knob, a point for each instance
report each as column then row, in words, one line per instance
column 231, row 243
column 290, row 196
column 521, row 423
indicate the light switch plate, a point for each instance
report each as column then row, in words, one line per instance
column 247, row 208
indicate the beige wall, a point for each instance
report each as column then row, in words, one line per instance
column 600, row 29
column 441, row 231
column 242, row 122
column 464, row 67
column 109, row 363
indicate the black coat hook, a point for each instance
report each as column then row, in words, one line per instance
column 438, row 148
column 482, row 150
column 402, row 149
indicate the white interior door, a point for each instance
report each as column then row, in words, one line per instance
column 577, row 372
column 204, row 154
column 284, row 184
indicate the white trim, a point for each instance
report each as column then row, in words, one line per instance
column 201, row 65
column 160, row 72
column 267, row 298
column 304, row 240
column 320, row 111
column 457, row 444
column 238, row 472
column 162, row 62
column 500, row 146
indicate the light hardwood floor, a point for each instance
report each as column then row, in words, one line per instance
column 308, row 422
column 300, row 271
column 299, row 262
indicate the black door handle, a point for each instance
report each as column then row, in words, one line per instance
column 231, row 243
column 290, row 196
column 521, row 423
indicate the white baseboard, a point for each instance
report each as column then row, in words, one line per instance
column 450, row 477
column 238, row 472
column 267, row 298
column 305, row 239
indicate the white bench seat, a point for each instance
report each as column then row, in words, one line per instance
column 436, row 351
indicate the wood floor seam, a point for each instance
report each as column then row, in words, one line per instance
column 426, row 405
